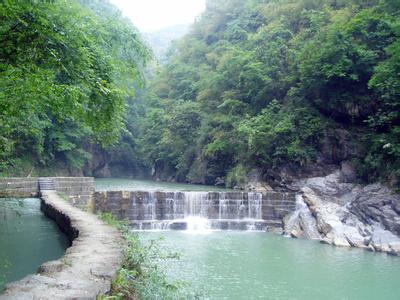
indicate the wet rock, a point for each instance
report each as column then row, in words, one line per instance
column 308, row 225
column 296, row 233
column 385, row 241
column 275, row 230
column 326, row 241
column 354, row 238
column 301, row 223
column 323, row 227
column 341, row 242
column 291, row 225
column 344, row 213
column 395, row 249
column 330, row 203
column 51, row 267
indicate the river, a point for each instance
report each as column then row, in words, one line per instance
column 258, row 265
column 120, row 184
column 27, row 239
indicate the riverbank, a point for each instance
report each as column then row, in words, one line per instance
column 336, row 210
column 88, row 266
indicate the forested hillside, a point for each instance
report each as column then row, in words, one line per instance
column 286, row 85
column 67, row 69
column 289, row 86
column 162, row 39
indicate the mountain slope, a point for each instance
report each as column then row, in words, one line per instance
column 292, row 87
column 162, row 39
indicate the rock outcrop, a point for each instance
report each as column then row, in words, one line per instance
column 376, row 203
column 345, row 213
column 255, row 182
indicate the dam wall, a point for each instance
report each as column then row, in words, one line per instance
column 79, row 190
column 173, row 210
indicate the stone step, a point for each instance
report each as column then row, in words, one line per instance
column 46, row 184
column 273, row 223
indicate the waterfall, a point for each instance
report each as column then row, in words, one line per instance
column 149, row 207
column 255, row 202
column 197, row 224
column 223, row 205
column 302, row 219
column 202, row 211
column 196, row 204
column 197, row 211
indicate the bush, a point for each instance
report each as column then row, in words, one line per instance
column 236, row 176
column 140, row 276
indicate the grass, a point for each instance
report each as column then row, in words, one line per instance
column 64, row 196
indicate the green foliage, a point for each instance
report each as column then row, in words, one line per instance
column 169, row 135
column 381, row 158
column 254, row 84
column 278, row 135
column 140, row 276
column 236, row 176
column 268, row 81
column 336, row 76
column 66, row 71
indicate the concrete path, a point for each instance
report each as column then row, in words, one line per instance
column 88, row 266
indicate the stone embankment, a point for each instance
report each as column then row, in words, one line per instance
column 88, row 266
column 340, row 212
column 78, row 189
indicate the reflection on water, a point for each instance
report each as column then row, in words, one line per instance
column 249, row 265
column 119, row 184
column 27, row 239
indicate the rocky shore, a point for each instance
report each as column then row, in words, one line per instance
column 336, row 210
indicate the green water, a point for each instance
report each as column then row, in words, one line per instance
column 27, row 239
column 119, row 184
column 250, row 265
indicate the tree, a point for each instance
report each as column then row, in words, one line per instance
column 66, row 71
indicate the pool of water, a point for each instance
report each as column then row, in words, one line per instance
column 120, row 184
column 27, row 239
column 251, row 265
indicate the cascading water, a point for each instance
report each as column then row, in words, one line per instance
column 198, row 211
column 149, row 207
column 195, row 215
column 302, row 218
column 255, row 202
column 196, row 204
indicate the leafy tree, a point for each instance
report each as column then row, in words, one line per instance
column 273, row 81
column 66, row 70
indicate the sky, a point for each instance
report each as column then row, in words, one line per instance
column 152, row 15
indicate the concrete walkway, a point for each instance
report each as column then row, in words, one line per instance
column 88, row 266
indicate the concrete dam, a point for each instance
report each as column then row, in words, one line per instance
column 163, row 210
column 160, row 210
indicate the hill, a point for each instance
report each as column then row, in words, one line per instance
column 162, row 39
